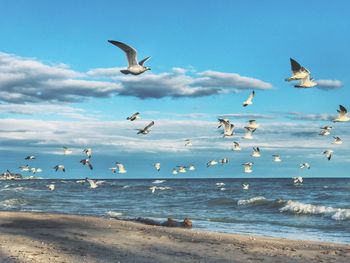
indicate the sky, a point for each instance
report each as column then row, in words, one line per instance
column 60, row 85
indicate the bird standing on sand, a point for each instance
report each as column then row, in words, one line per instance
column 134, row 116
column 60, row 167
column 87, row 162
column 249, row 101
column 146, row 129
column 88, row 152
column 188, row 142
column 212, row 163
column 134, row 67
column 342, row 115
column 248, row 135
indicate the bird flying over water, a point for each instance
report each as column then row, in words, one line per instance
column 298, row 71
column 51, row 187
column 60, row 167
column 30, row 157
column 228, row 127
column 245, row 186
column 337, row 140
column 276, row 158
column 328, row 154
column 212, row 163
column 188, row 142
column 134, row 116
column 87, row 162
column 305, row 165
column 145, row 130
column 134, row 67
column 248, row 135
column 88, row 152
column 191, row 167
column 236, row 147
column 256, row 152
column 342, row 115
column 249, row 101
column 121, row 168
column 182, row 169
column 66, row 151
column 157, row 166
column 297, row 180
column 248, row 167
column 224, row 160
column 92, row 183
column 252, row 124
column 174, row 171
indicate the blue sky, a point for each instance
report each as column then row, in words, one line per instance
column 56, row 85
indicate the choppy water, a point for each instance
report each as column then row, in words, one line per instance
column 317, row 210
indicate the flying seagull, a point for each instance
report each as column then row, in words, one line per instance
column 248, row 167
column 306, row 82
column 87, row 162
column 256, row 152
column 328, row 154
column 252, row 124
column 212, row 163
column 276, row 158
column 228, row 127
column 305, row 165
column 121, row 168
column 36, row 170
column 92, row 183
column 60, row 167
column 113, row 169
column 245, row 186
column 146, row 129
column 249, row 101
column 188, row 142
column 30, row 157
column 298, row 71
column 174, row 171
column 182, row 169
column 66, row 151
column 297, row 180
column 342, row 115
column 157, row 166
column 326, row 130
column 24, row 168
column 224, row 160
column 191, row 167
column 248, row 133
column 51, row 187
column 236, row 147
column 337, row 140
column 134, row 67
column 133, row 117
column 88, row 152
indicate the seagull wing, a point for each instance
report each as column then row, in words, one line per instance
column 296, row 67
column 131, row 53
column 251, row 96
column 149, row 125
column 342, row 110
column 144, row 60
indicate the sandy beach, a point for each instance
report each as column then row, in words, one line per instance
column 41, row 237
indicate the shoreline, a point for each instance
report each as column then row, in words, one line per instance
column 42, row 237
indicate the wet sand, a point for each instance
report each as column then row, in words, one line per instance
column 42, row 237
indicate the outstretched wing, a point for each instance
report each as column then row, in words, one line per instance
column 295, row 66
column 131, row 53
column 144, row 60
column 342, row 110
column 149, row 125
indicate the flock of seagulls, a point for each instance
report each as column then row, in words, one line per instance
column 135, row 67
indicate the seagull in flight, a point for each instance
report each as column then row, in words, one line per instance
column 249, row 101
column 146, row 129
column 121, row 168
column 191, row 167
column 157, row 166
column 328, row 154
column 248, row 167
column 306, row 82
column 24, row 168
column 298, row 71
column 134, row 116
column 88, row 152
column 252, row 124
column 297, row 180
column 305, row 165
column 188, row 142
column 245, row 186
column 66, row 151
column 30, row 157
column 342, row 115
column 337, row 140
column 182, row 169
column 87, row 163
column 60, row 167
column 212, row 163
column 36, row 170
column 256, row 152
column 326, row 130
column 228, row 127
column 224, row 160
column 51, row 187
column 134, row 67
column 92, row 183
column 276, row 158
column 248, row 135
column 236, row 147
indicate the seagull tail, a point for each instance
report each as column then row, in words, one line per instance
column 125, row 71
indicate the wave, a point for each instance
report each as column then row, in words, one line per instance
column 309, row 209
column 13, row 202
column 253, row 200
column 114, row 214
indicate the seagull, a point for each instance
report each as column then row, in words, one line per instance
column 248, row 133
column 276, row 158
column 92, row 183
column 256, row 152
column 245, row 186
column 191, row 167
column 342, row 115
column 134, row 67
column 121, row 168
column 305, row 165
column 328, row 154
column 298, row 71
column 228, row 127
column 220, row 184
column 248, row 167
column 153, row 189
column 252, row 124
column 249, row 101
column 36, row 170
column 30, row 157
column 88, row 152
column 306, row 82
column 146, row 129
column 224, row 160
column 326, row 130
column 66, row 151
column 212, row 163
column 60, row 167
column 182, row 169
column 24, row 168
column 113, row 169
column 157, row 166
column 134, row 117
column 298, row 180
column 87, row 163
column 174, row 171
column 188, row 142
column 51, row 187
column 236, row 147
column 337, row 140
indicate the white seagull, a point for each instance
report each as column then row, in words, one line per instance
column 51, row 187
column 342, row 115
column 248, row 167
column 191, row 167
column 328, row 154
column 188, row 142
column 245, row 186
column 36, row 170
column 276, row 158
column 248, row 133
column 181, row 169
column 228, row 127
column 252, row 124
column 146, row 129
column 30, row 157
column 337, row 140
column 92, row 183
column 60, row 167
column 121, row 168
column 212, row 163
column 305, row 166
column 326, row 130
column 224, row 161
column 87, row 162
column 256, row 152
column 306, row 82
column 157, row 166
column 134, row 67
column 134, row 117
column 66, row 151
column 236, row 147
column 297, row 180
column 298, row 71
column 174, row 171
column 88, row 152
column 24, row 168
column 113, row 169
column 249, row 101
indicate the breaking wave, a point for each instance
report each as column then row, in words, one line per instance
column 253, row 200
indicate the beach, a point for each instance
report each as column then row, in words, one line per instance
column 45, row 237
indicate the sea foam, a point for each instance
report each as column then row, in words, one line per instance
column 253, row 200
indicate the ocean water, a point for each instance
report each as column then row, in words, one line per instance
column 317, row 210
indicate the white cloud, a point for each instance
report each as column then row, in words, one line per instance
column 329, row 84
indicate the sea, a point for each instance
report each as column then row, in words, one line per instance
column 317, row 209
